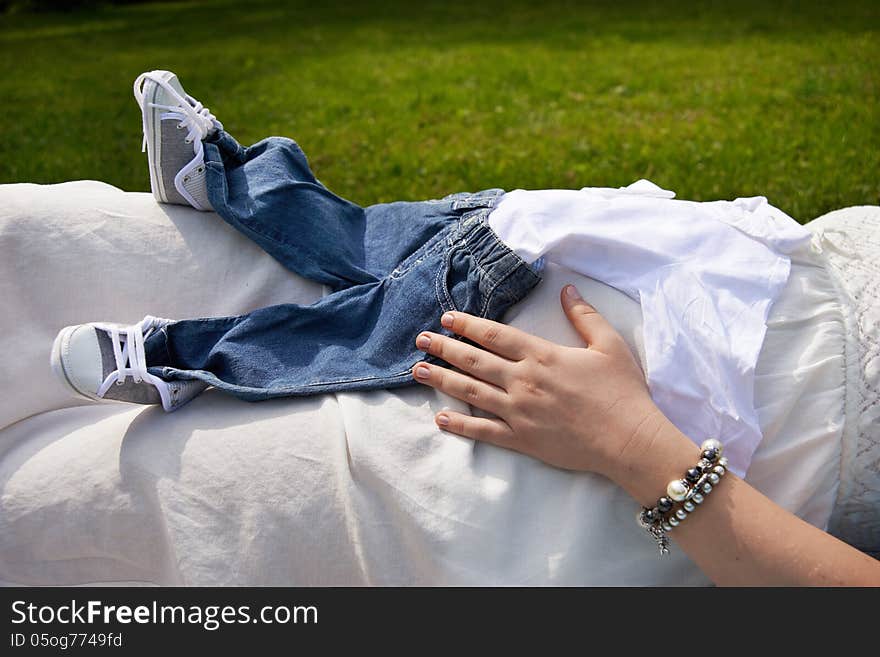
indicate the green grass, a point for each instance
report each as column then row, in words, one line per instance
column 416, row 99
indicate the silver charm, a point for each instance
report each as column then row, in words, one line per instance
column 662, row 540
column 663, row 545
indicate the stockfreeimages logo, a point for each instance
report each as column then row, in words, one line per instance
column 210, row 617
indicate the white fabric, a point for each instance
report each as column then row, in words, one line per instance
column 357, row 488
column 850, row 242
column 705, row 274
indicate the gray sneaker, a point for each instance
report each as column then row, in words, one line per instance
column 107, row 361
column 174, row 126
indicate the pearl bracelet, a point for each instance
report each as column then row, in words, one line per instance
column 689, row 492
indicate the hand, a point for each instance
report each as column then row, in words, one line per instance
column 578, row 408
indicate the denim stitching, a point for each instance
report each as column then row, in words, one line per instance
column 249, row 389
column 463, row 243
column 488, row 298
column 508, row 250
column 419, row 255
column 440, row 281
column 467, row 247
column 493, row 289
column 442, row 273
column 480, row 216
column 520, row 263
column 405, row 372
column 335, row 381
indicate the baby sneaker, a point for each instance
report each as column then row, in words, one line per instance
column 175, row 124
column 107, row 361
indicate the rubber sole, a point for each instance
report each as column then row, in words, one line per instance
column 154, row 148
column 57, row 362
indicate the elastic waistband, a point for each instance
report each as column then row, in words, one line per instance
column 512, row 276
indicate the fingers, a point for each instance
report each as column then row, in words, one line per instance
column 501, row 339
column 489, row 430
column 462, row 386
column 592, row 327
column 475, row 361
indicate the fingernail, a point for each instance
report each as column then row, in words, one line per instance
column 571, row 292
column 447, row 320
column 422, row 372
column 423, row 342
column 443, row 420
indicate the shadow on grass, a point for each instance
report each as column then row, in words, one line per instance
column 450, row 21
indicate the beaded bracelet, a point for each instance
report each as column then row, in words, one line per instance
column 689, row 491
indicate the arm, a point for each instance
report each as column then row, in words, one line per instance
column 740, row 537
column 589, row 409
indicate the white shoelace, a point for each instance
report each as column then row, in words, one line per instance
column 128, row 351
column 189, row 112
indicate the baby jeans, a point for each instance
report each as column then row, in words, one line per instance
column 392, row 270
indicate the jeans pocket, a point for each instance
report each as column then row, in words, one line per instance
column 441, row 281
column 460, row 283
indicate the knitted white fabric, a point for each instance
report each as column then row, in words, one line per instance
column 849, row 240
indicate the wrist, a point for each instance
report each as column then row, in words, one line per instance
column 655, row 453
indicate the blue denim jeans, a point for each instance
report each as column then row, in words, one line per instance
column 392, row 269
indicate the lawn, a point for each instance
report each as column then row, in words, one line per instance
column 415, row 99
